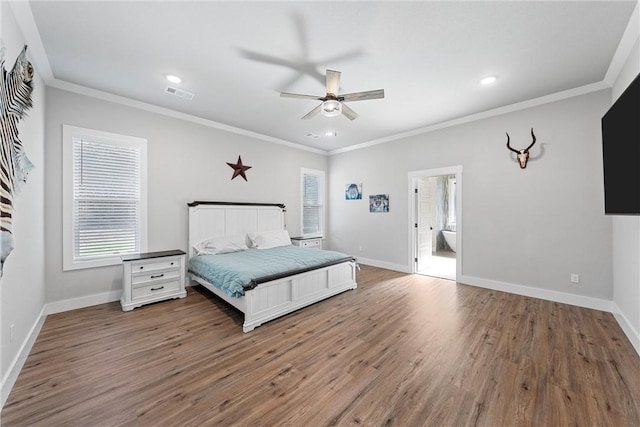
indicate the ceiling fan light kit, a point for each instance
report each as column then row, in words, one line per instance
column 332, row 103
column 331, row 108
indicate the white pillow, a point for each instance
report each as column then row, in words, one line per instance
column 269, row 239
column 221, row 245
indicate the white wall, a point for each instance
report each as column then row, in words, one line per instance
column 186, row 161
column 531, row 227
column 626, row 231
column 22, row 286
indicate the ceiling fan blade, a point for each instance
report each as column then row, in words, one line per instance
column 297, row 95
column 348, row 112
column 333, row 82
column 312, row 113
column 362, row 96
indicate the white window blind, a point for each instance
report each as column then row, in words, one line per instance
column 312, row 202
column 106, row 193
column 104, row 197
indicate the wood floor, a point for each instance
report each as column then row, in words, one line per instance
column 401, row 350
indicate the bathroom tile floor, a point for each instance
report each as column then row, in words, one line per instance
column 443, row 265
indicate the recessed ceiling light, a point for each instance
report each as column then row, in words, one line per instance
column 488, row 80
column 173, row 79
column 330, row 133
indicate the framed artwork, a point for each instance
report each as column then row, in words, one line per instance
column 379, row 203
column 353, row 192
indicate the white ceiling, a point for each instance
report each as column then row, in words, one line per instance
column 237, row 56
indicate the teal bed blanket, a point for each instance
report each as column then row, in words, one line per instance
column 237, row 272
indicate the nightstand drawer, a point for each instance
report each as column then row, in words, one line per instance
column 155, row 288
column 315, row 243
column 312, row 242
column 140, row 279
column 151, row 265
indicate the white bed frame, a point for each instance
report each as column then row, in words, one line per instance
column 272, row 299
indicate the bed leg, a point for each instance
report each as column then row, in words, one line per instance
column 248, row 328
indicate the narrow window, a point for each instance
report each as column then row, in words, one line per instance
column 104, row 201
column 452, row 203
column 312, row 202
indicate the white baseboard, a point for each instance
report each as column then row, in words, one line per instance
column 18, row 362
column 384, row 264
column 632, row 334
column 50, row 308
column 82, row 302
column 546, row 294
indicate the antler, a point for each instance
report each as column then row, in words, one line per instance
column 526, row 149
column 533, row 142
column 509, row 146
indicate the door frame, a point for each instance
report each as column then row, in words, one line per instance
column 413, row 177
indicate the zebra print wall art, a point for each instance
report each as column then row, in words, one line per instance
column 15, row 99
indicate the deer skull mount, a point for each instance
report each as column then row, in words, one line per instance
column 522, row 155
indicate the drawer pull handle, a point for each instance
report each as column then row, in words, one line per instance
column 157, row 275
column 157, row 289
column 141, row 268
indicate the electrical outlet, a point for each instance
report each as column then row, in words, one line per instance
column 575, row 278
column 11, row 333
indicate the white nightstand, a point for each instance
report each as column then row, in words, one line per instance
column 307, row 242
column 153, row 276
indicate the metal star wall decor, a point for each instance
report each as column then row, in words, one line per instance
column 238, row 169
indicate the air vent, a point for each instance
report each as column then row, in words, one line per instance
column 179, row 92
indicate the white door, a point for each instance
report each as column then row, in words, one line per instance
column 424, row 200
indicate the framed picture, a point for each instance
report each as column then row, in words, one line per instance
column 353, row 192
column 379, row 203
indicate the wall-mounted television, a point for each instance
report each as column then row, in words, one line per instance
column 621, row 153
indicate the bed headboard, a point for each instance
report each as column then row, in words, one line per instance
column 216, row 219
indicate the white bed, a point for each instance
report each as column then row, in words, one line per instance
column 278, row 297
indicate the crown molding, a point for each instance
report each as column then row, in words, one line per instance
column 558, row 96
column 117, row 99
column 26, row 22
column 22, row 12
column 629, row 38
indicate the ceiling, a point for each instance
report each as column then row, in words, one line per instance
column 236, row 57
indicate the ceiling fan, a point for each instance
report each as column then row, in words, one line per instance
column 333, row 103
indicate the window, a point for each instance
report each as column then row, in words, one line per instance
column 312, row 202
column 452, row 203
column 104, row 197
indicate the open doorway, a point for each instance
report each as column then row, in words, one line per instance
column 435, row 223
